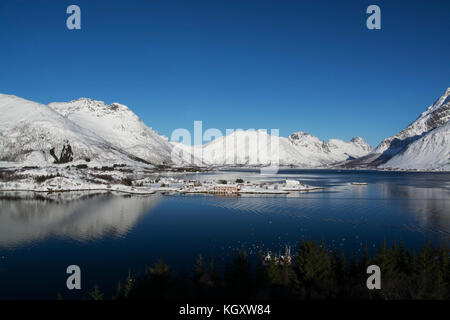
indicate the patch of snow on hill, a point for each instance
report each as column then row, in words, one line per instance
column 432, row 151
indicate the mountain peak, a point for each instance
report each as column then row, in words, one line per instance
column 83, row 99
column 301, row 133
column 441, row 101
column 97, row 106
column 87, row 100
column 435, row 116
column 116, row 106
column 357, row 139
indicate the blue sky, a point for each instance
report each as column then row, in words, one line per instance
column 294, row 65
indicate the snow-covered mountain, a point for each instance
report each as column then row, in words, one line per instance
column 333, row 151
column 250, row 147
column 432, row 151
column 35, row 134
column 86, row 130
column 258, row 148
column 393, row 150
column 118, row 125
column 435, row 116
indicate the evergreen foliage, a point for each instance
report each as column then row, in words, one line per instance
column 316, row 273
column 95, row 294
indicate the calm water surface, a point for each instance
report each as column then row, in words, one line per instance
column 108, row 235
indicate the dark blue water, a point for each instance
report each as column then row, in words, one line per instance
column 108, row 235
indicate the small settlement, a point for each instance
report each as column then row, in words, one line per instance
column 224, row 187
column 125, row 180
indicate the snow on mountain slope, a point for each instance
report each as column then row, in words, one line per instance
column 258, row 148
column 356, row 147
column 436, row 115
column 29, row 130
column 325, row 153
column 118, row 125
column 184, row 154
column 432, row 151
column 250, row 147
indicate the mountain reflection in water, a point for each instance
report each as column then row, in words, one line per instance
column 78, row 216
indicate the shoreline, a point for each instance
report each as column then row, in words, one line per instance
column 140, row 180
column 206, row 169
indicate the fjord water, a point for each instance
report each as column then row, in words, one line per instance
column 108, row 235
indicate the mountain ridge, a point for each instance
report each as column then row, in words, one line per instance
column 36, row 133
column 254, row 147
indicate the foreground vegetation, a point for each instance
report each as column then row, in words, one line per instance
column 316, row 273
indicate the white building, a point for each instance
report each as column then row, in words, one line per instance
column 292, row 183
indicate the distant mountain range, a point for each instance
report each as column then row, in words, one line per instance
column 258, row 148
column 86, row 131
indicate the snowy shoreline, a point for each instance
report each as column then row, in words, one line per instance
column 145, row 180
column 126, row 179
column 331, row 168
column 76, row 190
